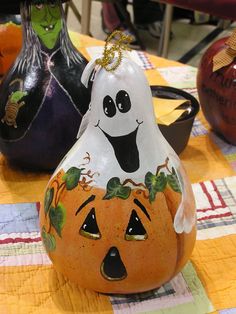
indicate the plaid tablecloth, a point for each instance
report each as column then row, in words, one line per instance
column 21, row 247
column 29, row 283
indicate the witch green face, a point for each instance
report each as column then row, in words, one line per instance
column 46, row 22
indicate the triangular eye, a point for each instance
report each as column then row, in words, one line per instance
column 135, row 230
column 90, row 228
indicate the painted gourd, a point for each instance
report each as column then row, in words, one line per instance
column 119, row 212
column 42, row 100
column 216, row 90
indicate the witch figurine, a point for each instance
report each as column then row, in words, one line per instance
column 42, row 100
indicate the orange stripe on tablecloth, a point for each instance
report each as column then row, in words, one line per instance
column 39, row 289
column 215, row 260
column 21, row 187
column 203, row 160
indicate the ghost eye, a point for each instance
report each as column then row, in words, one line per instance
column 123, row 101
column 109, row 107
column 39, row 6
column 90, row 228
column 135, row 230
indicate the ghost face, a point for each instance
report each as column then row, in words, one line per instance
column 46, row 22
column 125, row 146
column 121, row 106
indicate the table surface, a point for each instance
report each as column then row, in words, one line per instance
column 29, row 283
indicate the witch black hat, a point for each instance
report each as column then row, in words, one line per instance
column 13, row 6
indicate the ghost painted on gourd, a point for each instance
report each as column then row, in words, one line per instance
column 42, row 100
column 119, row 213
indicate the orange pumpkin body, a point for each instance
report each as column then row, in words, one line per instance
column 10, row 45
column 148, row 263
column 119, row 213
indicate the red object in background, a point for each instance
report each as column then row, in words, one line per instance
column 221, row 8
column 10, row 45
column 217, row 93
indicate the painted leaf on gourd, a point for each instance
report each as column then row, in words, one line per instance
column 173, row 181
column 72, row 177
column 48, row 199
column 116, row 189
column 155, row 183
column 48, row 240
column 58, row 218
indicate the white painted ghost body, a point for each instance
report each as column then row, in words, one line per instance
column 119, row 213
column 140, row 116
column 152, row 147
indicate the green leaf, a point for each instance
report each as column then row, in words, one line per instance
column 116, row 189
column 58, row 217
column 173, row 181
column 48, row 240
column 72, row 177
column 155, row 183
column 48, row 199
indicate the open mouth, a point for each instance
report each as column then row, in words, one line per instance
column 112, row 267
column 125, row 149
column 48, row 28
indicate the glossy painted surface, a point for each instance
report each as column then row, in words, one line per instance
column 203, row 161
column 42, row 100
column 217, row 93
column 119, row 213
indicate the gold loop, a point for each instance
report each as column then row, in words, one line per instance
column 108, row 61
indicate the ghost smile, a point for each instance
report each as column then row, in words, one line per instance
column 125, row 149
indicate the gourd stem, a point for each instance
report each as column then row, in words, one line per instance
column 88, row 158
column 142, row 192
column 59, row 191
column 88, row 174
column 50, row 226
column 165, row 165
column 133, row 183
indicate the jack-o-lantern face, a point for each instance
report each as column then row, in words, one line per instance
column 112, row 267
column 112, row 245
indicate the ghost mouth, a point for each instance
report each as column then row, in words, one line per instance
column 49, row 27
column 125, row 149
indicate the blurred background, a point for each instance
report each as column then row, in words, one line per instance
column 187, row 29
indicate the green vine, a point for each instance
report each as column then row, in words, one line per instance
column 54, row 210
column 154, row 183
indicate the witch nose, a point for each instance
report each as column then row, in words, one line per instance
column 112, row 267
column 48, row 16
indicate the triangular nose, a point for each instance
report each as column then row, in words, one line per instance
column 112, row 267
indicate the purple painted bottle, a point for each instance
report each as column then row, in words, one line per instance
column 42, row 100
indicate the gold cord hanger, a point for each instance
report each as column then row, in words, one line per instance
column 112, row 54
